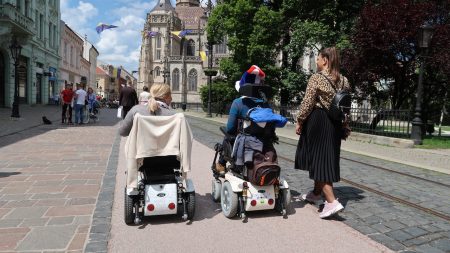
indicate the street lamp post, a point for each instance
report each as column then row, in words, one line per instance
column 425, row 35
column 15, row 48
column 209, row 115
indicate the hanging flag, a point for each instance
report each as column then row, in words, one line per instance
column 119, row 69
column 177, row 33
column 114, row 72
column 152, row 34
column 101, row 27
column 203, row 55
column 184, row 32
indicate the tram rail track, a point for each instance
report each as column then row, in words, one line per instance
column 365, row 164
column 369, row 189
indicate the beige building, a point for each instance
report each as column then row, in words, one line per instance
column 176, row 60
column 90, row 53
column 70, row 67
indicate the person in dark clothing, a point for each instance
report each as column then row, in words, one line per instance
column 127, row 98
column 241, row 105
column 319, row 145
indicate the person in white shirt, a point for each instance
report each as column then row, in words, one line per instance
column 80, row 101
column 144, row 96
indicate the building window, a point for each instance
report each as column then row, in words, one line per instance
column 27, row 8
column 72, row 60
column 41, row 26
column 312, row 62
column 158, row 42
column 222, row 47
column 65, row 51
column 192, row 80
column 50, row 34
column 176, row 80
column 190, row 48
column 157, row 71
column 158, row 54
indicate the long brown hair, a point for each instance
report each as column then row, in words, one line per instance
column 332, row 54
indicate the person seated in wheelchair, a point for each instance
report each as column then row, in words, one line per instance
column 253, row 95
column 158, row 105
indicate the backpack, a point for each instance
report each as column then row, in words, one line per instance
column 339, row 110
column 265, row 169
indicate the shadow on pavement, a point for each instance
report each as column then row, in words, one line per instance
column 348, row 193
column 8, row 174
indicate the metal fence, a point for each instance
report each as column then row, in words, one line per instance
column 385, row 122
column 196, row 107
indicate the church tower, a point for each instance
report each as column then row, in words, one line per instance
column 156, row 43
column 188, row 3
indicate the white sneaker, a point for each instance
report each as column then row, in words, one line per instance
column 312, row 198
column 132, row 191
column 331, row 208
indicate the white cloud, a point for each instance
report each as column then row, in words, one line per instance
column 121, row 46
column 78, row 17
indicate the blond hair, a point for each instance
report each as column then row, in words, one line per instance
column 157, row 92
column 332, row 54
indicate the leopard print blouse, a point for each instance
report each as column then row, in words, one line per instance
column 319, row 89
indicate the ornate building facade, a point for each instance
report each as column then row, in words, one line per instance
column 33, row 24
column 169, row 55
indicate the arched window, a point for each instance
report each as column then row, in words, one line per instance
column 192, row 80
column 176, row 80
column 157, row 71
column 222, row 47
column 190, row 51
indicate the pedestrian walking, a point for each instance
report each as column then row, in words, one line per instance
column 127, row 98
column 67, row 96
column 319, row 145
column 80, row 102
column 144, row 96
column 91, row 98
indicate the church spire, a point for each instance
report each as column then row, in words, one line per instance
column 164, row 5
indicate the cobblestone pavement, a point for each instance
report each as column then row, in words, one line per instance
column 399, row 227
column 50, row 180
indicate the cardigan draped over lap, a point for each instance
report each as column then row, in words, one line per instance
column 157, row 136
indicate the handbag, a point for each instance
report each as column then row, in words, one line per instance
column 119, row 112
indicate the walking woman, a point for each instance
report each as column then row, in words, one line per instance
column 319, row 146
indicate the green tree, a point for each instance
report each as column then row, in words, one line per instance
column 222, row 95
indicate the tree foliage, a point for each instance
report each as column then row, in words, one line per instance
column 384, row 57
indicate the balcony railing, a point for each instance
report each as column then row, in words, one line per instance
column 10, row 13
column 186, row 58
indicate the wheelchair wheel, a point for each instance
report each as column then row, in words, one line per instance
column 285, row 198
column 228, row 201
column 216, row 190
column 128, row 208
column 190, row 205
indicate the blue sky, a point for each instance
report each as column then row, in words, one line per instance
column 118, row 46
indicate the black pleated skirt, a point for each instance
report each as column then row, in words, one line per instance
column 319, row 147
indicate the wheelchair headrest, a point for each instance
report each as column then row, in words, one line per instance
column 256, row 91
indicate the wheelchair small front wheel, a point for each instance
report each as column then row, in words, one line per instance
column 216, row 190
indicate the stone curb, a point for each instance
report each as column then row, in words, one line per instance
column 382, row 140
column 101, row 220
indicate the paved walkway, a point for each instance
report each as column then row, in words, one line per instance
column 437, row 160
column 211, row 231
column 51, row 177
column 30, row 116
